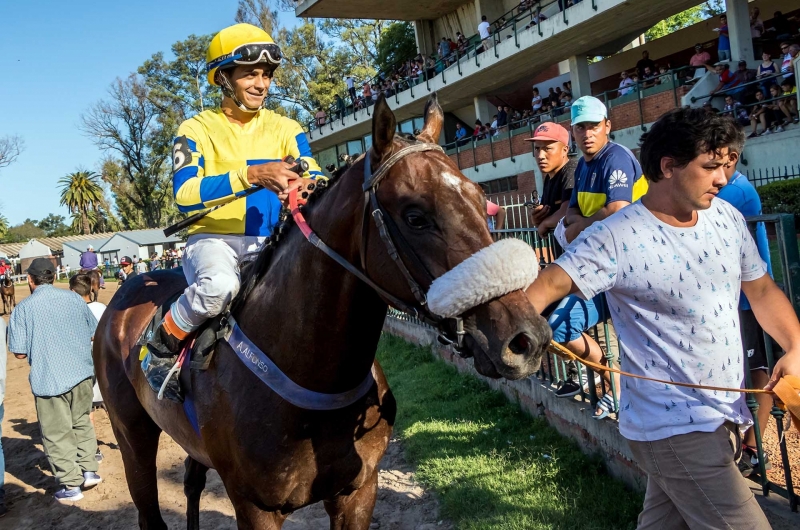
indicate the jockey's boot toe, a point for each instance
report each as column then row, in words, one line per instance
column 162, row 354
column 156, row 370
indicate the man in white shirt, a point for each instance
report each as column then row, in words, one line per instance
column 485, row 33
column 672, row 265
column 625, row 84
column 351, row 88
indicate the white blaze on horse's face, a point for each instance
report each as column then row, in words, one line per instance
column 454, row 181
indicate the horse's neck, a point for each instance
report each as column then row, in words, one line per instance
column 315, row 320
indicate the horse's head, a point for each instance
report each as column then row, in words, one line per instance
column 438, row 221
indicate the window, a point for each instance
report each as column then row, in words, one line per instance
column 367, row 142
column 354, row 147
column 502, row 185
column 407, row 127
column 325, row 158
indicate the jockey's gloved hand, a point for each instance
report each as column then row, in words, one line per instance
column 305, row 187
column 274, row 176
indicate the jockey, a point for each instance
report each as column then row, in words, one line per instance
column 218, row 154
column 89, row 263
column 5, row 269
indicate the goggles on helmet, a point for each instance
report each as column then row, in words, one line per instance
column 252, row 53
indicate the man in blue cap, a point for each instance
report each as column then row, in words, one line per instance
column 608, row 178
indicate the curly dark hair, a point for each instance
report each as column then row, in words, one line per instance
column 684, row 134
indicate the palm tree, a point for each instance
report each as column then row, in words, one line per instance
column 82, row 194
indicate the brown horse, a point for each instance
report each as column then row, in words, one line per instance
column 8, row 294
column 94, row 276
column 320, row 325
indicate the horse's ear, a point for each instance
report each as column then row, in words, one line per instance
column 384, row 126
column 434, row 120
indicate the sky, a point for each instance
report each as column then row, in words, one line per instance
column 59, row 57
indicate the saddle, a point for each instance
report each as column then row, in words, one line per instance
column 204, row 340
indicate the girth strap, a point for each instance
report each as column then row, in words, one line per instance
column 272, row 376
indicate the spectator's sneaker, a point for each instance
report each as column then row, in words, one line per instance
column 91, row 479
column 753, row 135
column 67, row 495
column 748, row 464
column 98, row 455
column 779, row 129
column 767, row 132
column 568, row 389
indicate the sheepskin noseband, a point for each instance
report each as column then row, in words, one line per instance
column 500, row 268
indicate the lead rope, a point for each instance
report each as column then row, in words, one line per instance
column 786, row 390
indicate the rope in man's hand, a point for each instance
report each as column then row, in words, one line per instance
column 786, row 392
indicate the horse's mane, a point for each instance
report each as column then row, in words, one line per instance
column 254, row 270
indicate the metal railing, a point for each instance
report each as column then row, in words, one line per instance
column 554, row 369
column 764, row 81
column 761, row 176
column 455, row 59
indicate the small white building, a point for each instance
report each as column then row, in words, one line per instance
column 34, row 249
column 137, row 243
column 73, row 250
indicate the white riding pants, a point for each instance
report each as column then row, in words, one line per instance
column 211, row 266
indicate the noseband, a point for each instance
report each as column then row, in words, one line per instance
column 393, row 240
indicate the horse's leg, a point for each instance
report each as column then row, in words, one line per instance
column 137, row 436
column 194, row 481
column 251, row 517
column 354, row 511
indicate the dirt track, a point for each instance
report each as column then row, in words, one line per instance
column 402, row 504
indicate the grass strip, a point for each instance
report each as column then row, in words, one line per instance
column 491, row 465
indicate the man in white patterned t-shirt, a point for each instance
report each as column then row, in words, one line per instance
column 672, row 265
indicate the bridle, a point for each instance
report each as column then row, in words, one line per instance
column 396, row 245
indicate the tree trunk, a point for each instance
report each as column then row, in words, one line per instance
column 85, row 222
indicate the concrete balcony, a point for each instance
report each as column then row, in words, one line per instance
column 381, row 9
column 579, row 30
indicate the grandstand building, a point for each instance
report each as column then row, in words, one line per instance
column 546, row 44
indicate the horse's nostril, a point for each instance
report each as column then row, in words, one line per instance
column 520, row 344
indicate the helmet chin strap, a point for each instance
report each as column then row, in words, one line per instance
column 228, row 91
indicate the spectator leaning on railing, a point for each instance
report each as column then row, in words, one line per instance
column 550, row 148
column 699, row 60
column 663, row 311
column 484, row 29
column 607, row 178
column 625, row 84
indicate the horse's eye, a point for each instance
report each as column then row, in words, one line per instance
column 416, row 220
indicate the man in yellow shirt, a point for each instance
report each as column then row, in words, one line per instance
column 217, row 155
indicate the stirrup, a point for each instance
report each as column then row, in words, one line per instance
column 174, row 371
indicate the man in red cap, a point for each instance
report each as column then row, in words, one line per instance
column 127, row 270
column 550, row 148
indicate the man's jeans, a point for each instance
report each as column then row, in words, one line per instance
column 68, row 436
column 693, row 482
column 2, row 460
column 724, row 55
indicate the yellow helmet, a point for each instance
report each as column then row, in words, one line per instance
column 241, row 44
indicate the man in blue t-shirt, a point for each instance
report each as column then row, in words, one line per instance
column 608, row 178
column 724, row 43
column 744, row 197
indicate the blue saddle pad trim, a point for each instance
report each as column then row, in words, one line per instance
column 188, row 403
column 272, row 376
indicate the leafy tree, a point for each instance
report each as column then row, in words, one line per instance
column 136, row 133
column 179, row 87
column 25, row 231
column 53, row 226
column 81, row 193
column 3, row 226
column 10, row 149
column 684, row 19
column 397, row 44
column 317, row 56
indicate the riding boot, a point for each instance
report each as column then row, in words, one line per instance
column 162, row 354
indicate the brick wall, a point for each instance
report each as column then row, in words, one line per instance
column 621, row 116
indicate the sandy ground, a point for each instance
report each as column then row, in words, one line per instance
column 402, row 504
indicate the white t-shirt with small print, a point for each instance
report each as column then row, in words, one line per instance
column 673, row 294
